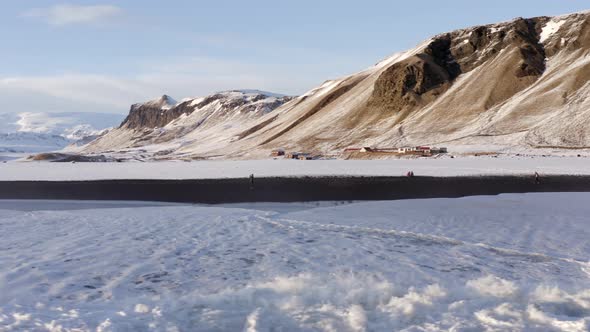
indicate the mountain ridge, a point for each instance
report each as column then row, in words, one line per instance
column 150, row 126
column 516, row 84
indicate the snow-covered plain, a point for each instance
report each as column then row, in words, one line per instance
column 238, row 169
column 506, row 263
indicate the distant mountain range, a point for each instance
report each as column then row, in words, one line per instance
column 30, row 132
column 519, row 84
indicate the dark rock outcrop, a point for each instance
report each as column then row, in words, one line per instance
column 155, row 113
column 158, row 113
column 419, row 79
column 57, row 157
column 409, row 82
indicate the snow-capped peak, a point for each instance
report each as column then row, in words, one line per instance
column 164, row 102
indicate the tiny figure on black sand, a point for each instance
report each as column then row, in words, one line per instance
column 410, row 174
column 537, row 178
column 251, row 181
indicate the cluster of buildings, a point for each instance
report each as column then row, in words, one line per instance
column 294, row 155
column 417, row 150
column 423, row 151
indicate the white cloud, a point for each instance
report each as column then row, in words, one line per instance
column 66, row 14
column 80, row 92
column 179, row 77
column 96, row 90
column 70, row 93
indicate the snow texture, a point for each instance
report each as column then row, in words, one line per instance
column 259, row 92
column 551, row 28
column 269, row 168
column 506, row 263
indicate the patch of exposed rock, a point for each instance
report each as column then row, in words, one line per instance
column 66, row 158
column 158, row 113
column 421, row 78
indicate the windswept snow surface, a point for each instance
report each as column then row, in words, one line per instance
column 506, row 263
column 467, row 166
column 551, row 28
column 259, row 92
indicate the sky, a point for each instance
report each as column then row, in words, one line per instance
column 102, row 56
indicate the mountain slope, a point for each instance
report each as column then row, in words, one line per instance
column 522, row 83
column 469, row 86
column 159, row 128
column 519, row 83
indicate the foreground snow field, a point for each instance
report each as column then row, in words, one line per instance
column 238, row 169
column 512, row 262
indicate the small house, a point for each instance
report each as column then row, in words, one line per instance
column 366, row 149
column 277, row 153
column 292, row 155
column 407, row 150
column 424, row 149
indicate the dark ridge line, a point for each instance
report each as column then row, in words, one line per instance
column 289, row 189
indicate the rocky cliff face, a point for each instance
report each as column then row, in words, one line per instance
column 164, row 121
column 160, row 112
column 421, row 78
column 152, row 114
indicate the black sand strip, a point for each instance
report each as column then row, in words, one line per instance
column 285, row 189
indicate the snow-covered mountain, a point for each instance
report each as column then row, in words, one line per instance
column 164, row 128
column 521, row 84
column 38, row 132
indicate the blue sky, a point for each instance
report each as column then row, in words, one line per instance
column 102, row 56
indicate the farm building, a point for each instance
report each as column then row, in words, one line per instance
column 439, row 150
column 293, row 155
column 424, row 149
column 406, row 150
column 305, row 156
column 277, row 153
